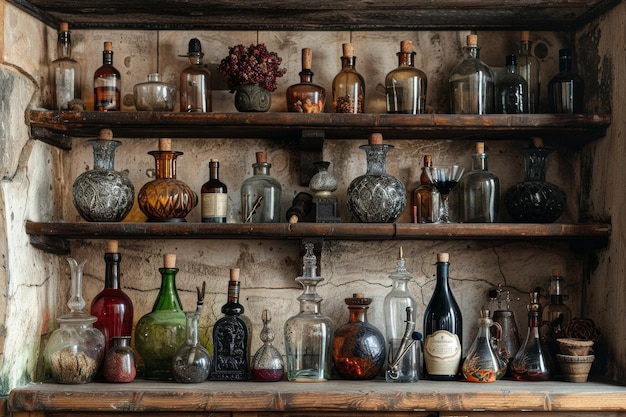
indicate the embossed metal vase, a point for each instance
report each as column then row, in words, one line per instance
column 103, row 194
column 252, row 98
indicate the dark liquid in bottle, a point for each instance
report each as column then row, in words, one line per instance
column 271, row 375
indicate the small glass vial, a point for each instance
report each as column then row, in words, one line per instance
column 261, row 194
column 406, row 85
column 425, row 197
column 480, row 191
column 484, row 362
column 107, row 83
column 528, row 67
column 267, row 363
column 191, row 364
column 306, row 97
column 214, row 196
column 195, row 82
column 119, row 362
column 348, row 85
column 66, row 71
column 512, row 95
column 566, row 89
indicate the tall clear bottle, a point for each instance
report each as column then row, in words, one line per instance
column 308, row 334
column 528, row 67
column 512, row 94
column 306, row 97
column 395, row 312
column 425, row 197
column 107, row 83
column 406, row 85
column 348, row 85
column 566, row 89
column 195, row 82
column 261, row 194
column 472, row 83
column 443, row 328
column 65, row 71
column 214, row 196
column 480, row 191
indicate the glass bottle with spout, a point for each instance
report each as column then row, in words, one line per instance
column 484, row 361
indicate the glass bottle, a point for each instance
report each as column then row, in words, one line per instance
column 512, row 95
column 107, row 83
column 358, row 346
column 267, row 363
column 161, row 333
column 119, row 362
column 406, row 85
column 472, row 83
column 443, row 327
column 166, row 199
column 261, row 194
column 528, row 67
column 308, row 334
column 306, row 97
column 348, row 85
column 532, row 361
column 75, row 350
column 394, row 308
column 480, row 191
column 154, row 94
column 506, row 318
column 230, row 338
column 425, row 197
column 557, row 313
column 111, row 306
column 192, row 362
column 566, row 89
column 214, row 196
column 66, row 72
column 484, row 362
column 195, row 82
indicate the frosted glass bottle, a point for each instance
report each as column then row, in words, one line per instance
column 261, row 194
column 512, row 94
column 480, row 191
column 195, row 81
column 348, row 85
column 528, row 67
column 66, row 72
column 406, row 85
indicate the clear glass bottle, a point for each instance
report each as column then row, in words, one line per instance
column 65, row 71
column 484, row 361
column 425, row 197
column 111, row 306
column 267, row 362
column 557, row 313
column 472, row 83
column 308, row 334
column 154, row 94
column 192, row 362
column 406, row 85
column 214, row 196
column 306, row 97
column 512, row 95
column 532, row 361
column 195, row 82
column 358, row 346
column 528, row 67
column 119, row 362
column 566, row 90
column 107, row 83
column 230, row 338
column 443, row 328
column 394, row 309
column 261, row 194
column 162, row 332
column 348, row 85
column 480, row 191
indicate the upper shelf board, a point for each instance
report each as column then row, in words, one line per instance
column 558, row 15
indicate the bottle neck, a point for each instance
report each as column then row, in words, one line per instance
column 479, row 162
column 525, row 47
column 168, row 299
column 165, row 162
column 556, row 299
column 192, row 328
column 358, row 314
column 565, row 63
column 214, row 171
column 107, row 57
column 112, row 272
column 442, row 277
column 511, row 69
column 533, row 321
column 64, row 45
column 232, row 306
column 406, row 59
column 348, row 62
column 262, row 168
column 195, row 58
column 471, row 51
column 306, row 76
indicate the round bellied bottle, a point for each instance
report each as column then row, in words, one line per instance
column 306, row 97
column 267, row 362
column 405, row 86
column 348, row 85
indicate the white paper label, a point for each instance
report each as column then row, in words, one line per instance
column 442, row 353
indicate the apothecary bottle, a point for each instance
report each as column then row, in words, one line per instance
column 162, row 332
column 306, row 97
column 556, row 313
column 480, row 191
column 214, row 196
column 528, row 67
column 358, row 346
column 512, row 90
column 66, row 71
column 119, row 363
column 443, row 328
column 230, row 338
column 425, row 197
column 261, row 194
column 348, row 85
column 154, row 94
column 472, row 83
column 192, row 362
column 566, row 90
column 405, row 86
column 484, row 361
column 395, row 307
column 112, row 307
column 195, row 82
column 308, row 334
column 267, row 363
column 107, row 83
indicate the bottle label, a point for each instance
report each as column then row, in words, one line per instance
column 214, row 204
column 442, row 353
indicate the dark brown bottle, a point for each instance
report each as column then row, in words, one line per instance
column 214, row 196
column 425, row 197
column 107, row 83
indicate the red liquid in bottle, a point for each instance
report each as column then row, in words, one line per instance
column 269, row 375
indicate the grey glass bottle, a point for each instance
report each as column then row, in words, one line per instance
column 480, row 191
column 512, row 95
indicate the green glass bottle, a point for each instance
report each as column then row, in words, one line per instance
column 161, row 333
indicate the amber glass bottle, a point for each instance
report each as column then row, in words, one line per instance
column 306, row 97
column 348, row 85
column 214, row 196
column 406, row 85
column 107, row 83
column 425, row 197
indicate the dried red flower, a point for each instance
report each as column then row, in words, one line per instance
column 251, row 65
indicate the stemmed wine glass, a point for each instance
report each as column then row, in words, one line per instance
column 444, row 179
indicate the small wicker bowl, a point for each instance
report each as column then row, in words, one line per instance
column 575, row 368
column 575, row 347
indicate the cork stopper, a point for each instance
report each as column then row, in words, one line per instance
column 443, row 257
column 234, row 274
column 536, row 142
column 108, row 46
column 112, row 246
column 400, row 253
column 64, row 27
column 428, row 160
column 524, row 36
column 261, row 157
column 165, row 144
column 406, row 46
column 358, row 295
column 169, row 260
column 556, row 272
column 105, row 134
column 348, row 50
column 472, row 40
column 307, row 58
column 376, row 139
column 213, row 160
column 480, row 147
